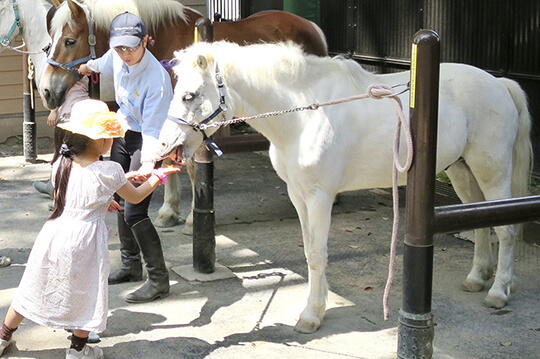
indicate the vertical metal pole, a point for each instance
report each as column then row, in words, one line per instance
column 416, row 331
column 29, row 117
column 204, row 238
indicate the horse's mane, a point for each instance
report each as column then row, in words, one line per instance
column 152, row 12
column 275, row 63
column 47, row 3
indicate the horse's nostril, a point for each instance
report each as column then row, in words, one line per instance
column 47, row 94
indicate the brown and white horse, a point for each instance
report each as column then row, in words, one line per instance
column 171, row 25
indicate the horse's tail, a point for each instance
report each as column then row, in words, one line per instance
column 523, row 153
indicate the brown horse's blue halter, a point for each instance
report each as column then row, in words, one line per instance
column 69, row 67
column 197, row 126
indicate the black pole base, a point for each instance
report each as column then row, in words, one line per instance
column 415, row 336
column 204, row 241
column 204, row 237
column 29, row 141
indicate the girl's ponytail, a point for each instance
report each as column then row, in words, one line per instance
column 73, row 144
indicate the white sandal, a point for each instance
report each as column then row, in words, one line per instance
column 4, row 261
column 87, row 352
column 4, row 344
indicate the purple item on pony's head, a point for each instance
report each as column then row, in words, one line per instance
column 169, row 64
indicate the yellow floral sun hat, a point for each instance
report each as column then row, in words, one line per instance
column 93, row 119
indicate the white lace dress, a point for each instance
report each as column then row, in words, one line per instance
column 65, row 281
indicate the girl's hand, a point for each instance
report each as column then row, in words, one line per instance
column 52, row 119
column 114, row 206
column 163, row 172
column 167, row 170
column 142, row 174
column 137, row 176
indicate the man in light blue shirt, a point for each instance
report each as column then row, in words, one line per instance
column 143, row 93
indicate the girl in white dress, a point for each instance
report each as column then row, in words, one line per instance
column 65, row 282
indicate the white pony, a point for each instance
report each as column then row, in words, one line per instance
column 32, row 22
column 483, row 144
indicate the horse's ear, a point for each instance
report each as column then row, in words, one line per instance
column 202, row 62
column 50, row 15
column 76, row 10
column 56, row 3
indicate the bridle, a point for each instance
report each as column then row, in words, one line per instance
column 200, row 126
column 69, row 67
column 6, row 41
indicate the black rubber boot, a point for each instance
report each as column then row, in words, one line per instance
column 44, row 187
column 157, row 284
column 131, row 269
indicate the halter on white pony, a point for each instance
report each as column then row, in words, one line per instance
column 200, row 126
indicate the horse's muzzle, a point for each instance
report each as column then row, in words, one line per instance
column 53, row 100
column 174, row 153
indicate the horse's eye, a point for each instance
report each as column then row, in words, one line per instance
column 69, row 42
column 189, row 96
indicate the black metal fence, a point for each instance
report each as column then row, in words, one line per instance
column 499, row 36
column 224, row 10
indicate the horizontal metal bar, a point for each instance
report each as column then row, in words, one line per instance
column 486, row 214
column 522, row 76
column 382, row 60
column 242, row 143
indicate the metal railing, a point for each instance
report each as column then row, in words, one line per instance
column 223, row 10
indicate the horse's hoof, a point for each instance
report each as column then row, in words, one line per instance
column 166, row 222
column 305, row 327
column 470, row 286
column 492, row 301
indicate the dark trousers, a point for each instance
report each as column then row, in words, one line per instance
column 127, row 152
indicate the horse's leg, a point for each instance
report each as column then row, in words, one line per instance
column 495, row 179
column 467, row 188
column 504, row 277
column 169, row 213
column 315, row 217
column 188, row 226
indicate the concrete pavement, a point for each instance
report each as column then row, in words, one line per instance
column 252, row 313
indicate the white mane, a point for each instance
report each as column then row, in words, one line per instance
column 152, row 12
column 270, row 63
